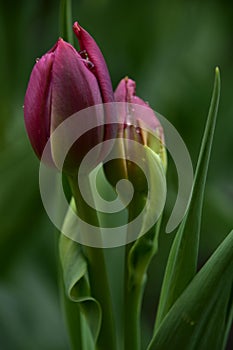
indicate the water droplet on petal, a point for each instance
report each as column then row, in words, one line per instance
column 83, row 54
column 88, row 63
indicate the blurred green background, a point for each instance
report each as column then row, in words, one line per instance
column 171, row 50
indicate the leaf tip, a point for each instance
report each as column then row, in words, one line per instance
column 217, row 71
column 217, row 74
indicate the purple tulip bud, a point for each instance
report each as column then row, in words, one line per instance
column 126, row 92
column 134, row 125
column 62, row 83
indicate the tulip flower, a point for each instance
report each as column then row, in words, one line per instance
column 126, row 92
column 135, row 127
column 63, row 82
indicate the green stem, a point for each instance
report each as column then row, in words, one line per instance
column 97, row 273
column 133, row 304
column 66, row 20
column 133, row 291
column 137, row 260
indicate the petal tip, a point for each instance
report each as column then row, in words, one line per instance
column 76, row 28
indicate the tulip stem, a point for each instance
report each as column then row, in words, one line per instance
column 66, row 20
column 133, row 302
column 133, row 291
column 97, row 273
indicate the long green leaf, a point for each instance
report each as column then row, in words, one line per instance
column 182, row 261
column 200, row 315
column 77, row 287
column 229, row 320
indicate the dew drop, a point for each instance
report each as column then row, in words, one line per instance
column 129, row 119
column 83, row 54
column 90, row 64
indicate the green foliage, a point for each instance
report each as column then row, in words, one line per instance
column 195, row 310
column 182, row 261
column 77, row 289
column 144, row 248
column 199, row 317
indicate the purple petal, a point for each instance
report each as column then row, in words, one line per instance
column 37, row 103
column 100, row 69
column 126, row 92
column 74, row 85
column 74, row 88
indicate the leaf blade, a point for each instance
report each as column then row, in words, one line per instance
column 182, row 261
column 207, row 296
column 77, row 287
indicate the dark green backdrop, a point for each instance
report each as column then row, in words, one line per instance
column 171, row 50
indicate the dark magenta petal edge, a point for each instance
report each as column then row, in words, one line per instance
column 100, row 69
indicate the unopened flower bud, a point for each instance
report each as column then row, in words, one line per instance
column 139, row 125
column 62, row 83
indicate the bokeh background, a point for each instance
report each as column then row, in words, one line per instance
column 171, row 50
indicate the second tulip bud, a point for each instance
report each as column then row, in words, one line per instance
column 138, row 125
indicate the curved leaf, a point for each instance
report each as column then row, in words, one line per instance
column 199, row 317
column 76, row 282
